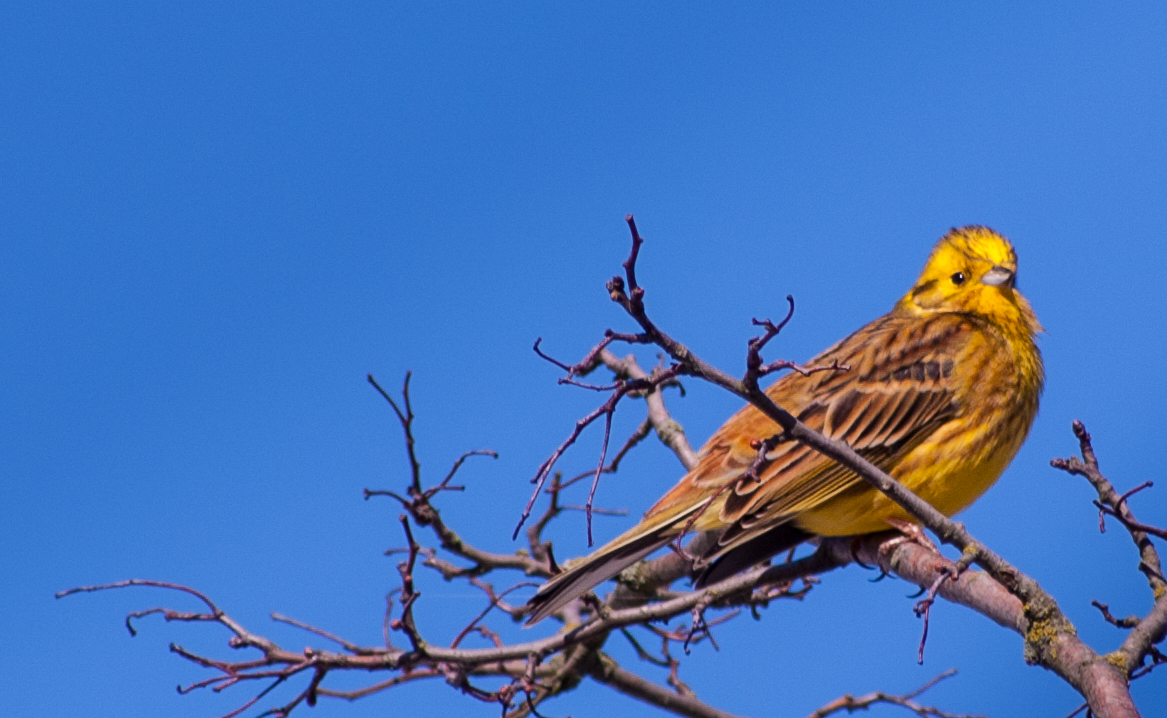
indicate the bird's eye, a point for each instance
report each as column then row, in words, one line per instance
column 958, row 278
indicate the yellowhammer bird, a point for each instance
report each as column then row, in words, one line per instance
column 941, row 393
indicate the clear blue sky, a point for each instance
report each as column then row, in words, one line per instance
column 216, row 219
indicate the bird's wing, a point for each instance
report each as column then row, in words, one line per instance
column 899, row 389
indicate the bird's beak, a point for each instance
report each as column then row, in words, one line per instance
column 999, row 276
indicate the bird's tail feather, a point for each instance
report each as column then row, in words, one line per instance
column 725, row 562
column 720, row 562
column 600, row 566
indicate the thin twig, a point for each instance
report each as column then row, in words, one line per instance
column 406, row 418
column 851, row 704
column 924, row 606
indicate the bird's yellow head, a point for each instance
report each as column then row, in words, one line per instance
column 972, row 270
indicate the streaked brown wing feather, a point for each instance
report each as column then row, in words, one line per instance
column 899, row 390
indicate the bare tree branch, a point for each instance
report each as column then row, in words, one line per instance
column 607, row 671
column 519, row 677
column 852, row 704
column 670, row 432
column 1087, row 467
column 1151, row 629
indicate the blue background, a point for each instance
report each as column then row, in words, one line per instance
column 216, row 218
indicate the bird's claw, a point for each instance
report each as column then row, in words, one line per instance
column 911, row 533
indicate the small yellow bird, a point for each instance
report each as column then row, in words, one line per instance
column 941, row 393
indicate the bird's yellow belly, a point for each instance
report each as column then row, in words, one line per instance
column 950, row 485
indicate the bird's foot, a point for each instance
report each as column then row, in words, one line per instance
column 912, row 533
